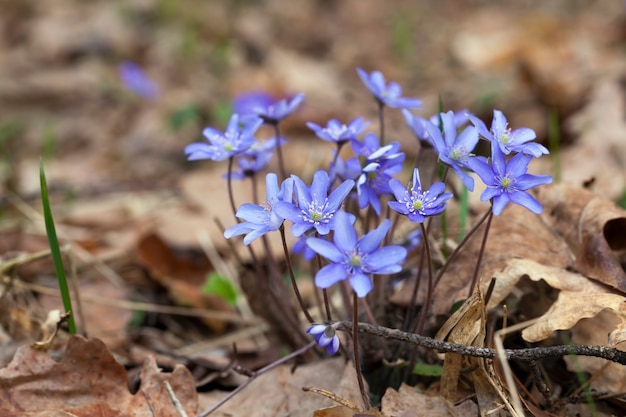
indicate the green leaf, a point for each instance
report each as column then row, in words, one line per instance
column 220, row 285
column 425, row 369
column 56, row 250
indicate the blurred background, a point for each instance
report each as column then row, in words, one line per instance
column 108, row 92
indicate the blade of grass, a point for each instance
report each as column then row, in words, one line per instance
column 554, row 138
column 56, row 250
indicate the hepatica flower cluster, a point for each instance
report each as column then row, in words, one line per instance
column 341, row 218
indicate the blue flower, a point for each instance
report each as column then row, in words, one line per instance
column 417, row 203
column 251, row 103
column 223, row 145
column 301, row 248
column 325, row 336
column 354, row 259
column 260, row 220
column 337, row 132
column 418, row 124
column 517, row 140
column 316, row 209
column 508, row 181
column 134, row 78
column 387, row 94
column 454, row 150
column 254, row 159
column 274, row 113
column 371, row 184
column 380, row 164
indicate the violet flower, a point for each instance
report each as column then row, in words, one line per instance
column 416, row 203
column 387, row 94
column 137, row 81
column 316, row 208
column 356, row 259
column 325, row 336
column 517, row 140
column 261, row 219
column 223, row 145
column 337, row 132
column 454, row 151
column 507, row 181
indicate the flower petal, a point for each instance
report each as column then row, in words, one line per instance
column 361, row 284
column 526, row 200
column 372, row 240
column 330, row 275
column 325, row 248
column 385, row 257
column 345, row 235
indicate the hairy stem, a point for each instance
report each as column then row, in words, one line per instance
column 293, row 277
column 480, row 254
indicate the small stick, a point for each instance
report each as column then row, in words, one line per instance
column 175, row 401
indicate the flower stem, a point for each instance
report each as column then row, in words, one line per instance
column 381, row 118
column 429, row 293
column 355, row 348
column 279, row 151
column 229, row 182
column 480, row 254
column 293, row 277
column 460, row 246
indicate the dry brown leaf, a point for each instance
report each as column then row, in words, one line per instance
column 281, row 391
column 467, row 327
column 407, row 400
column 86, row 382
column 579, row 297
column 182, row 276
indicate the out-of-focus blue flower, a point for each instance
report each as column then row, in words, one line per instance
column 350, row 169
column 417, row 203
column 517, row 140
column 371, row 184
column 264, row 105
column 508, row 181
column 356, row 259
column 251, row 103
column 137, row 81
column 301, row 248
column 387, row 94
column 325, row 336
column 316, row 209
column 254, row 159
column 337, row 132
column 379, row 165
column 454, row 150
column 260, row 220
column 370, row 148
column 418, row 124
column 223, row 145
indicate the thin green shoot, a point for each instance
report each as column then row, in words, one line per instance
column 463, row 212
column 56, row 250
column 553, row 142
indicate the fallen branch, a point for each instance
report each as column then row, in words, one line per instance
column 527, row 354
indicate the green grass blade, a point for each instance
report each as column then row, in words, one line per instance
column 554, row 138
column 56, row 250
column 463, row 212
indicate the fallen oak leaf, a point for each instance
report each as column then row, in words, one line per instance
column 88, row 381
column 578, row 298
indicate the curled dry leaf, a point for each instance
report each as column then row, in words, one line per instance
column 579, row 297
column 87, row 382
column 571, row 246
